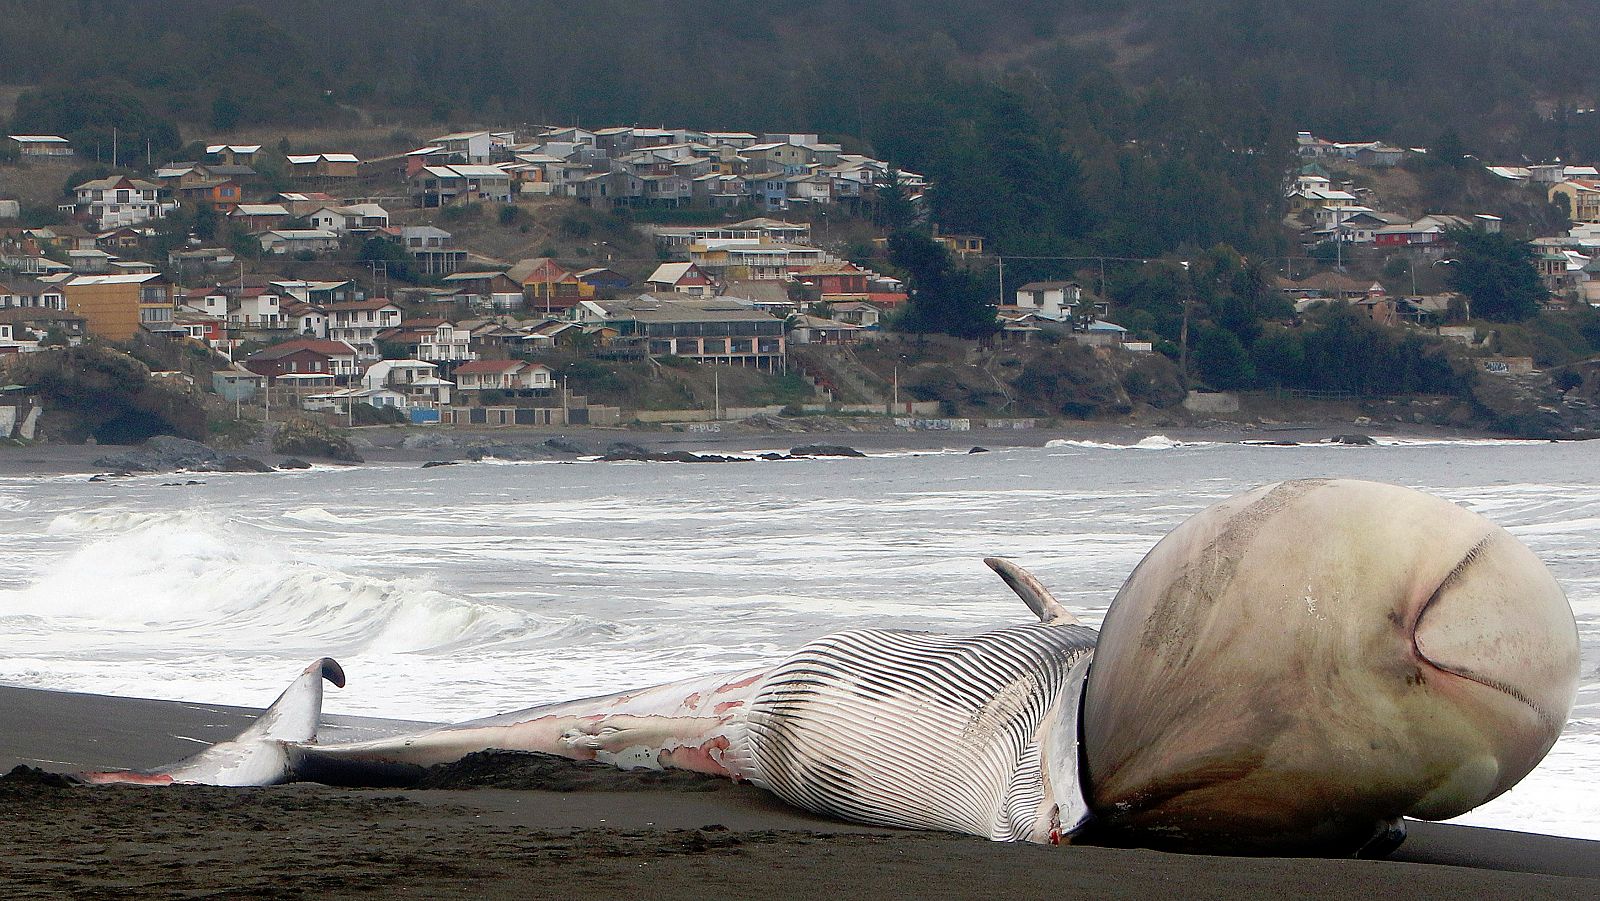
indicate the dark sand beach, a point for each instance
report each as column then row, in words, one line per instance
column 529, row 828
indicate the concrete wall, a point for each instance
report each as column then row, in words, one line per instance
column 1206, row 402
column 920, row 408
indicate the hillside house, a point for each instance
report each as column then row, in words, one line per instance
column 604, row 280
column 110, row 304
column 489, row 290
column 518, row 377
column 432, row 248
column 342, row 220
column 856, row 312
column 548, row 286
column 416, row 382
column 221, row 195
column 20, row 293
column 125, row 238
column 324, row 165
column 41, row 145
column 357, row 323
column 118, row 200
column 233, row 154
column 1056, row 301
column 437, row 186
column 304, row 203
column 305, row 356
column 36, row 323
column 752, row 259
column 608, row 189
column 254, row 218
column 680, row 278
column 298, row 240
column 1581, row 198
column 719, row 331
column 835, row 281
column 433, row 340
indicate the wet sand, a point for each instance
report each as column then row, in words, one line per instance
column 519, row 828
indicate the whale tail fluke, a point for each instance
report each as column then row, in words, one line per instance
column 258, row 756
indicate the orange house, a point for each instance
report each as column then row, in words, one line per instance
column 223, row 196
column 548, row 285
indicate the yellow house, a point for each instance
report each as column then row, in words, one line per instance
column 1583, row 199
column 111, row 304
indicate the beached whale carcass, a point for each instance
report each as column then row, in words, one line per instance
column 1291, row 670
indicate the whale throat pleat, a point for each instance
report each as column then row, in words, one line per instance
column 915, row 729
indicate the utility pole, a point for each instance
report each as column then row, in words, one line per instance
column 1002, row 280
column 1183, row 330
column 113, row 147
column 716, row 395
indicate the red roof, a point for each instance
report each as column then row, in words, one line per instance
column 885, row 298
column 314, row 345
column 490, row 367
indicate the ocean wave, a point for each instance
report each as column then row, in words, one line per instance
column 178, row 578
column 316, row 515
column 1151, row 442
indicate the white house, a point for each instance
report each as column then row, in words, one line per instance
column 417, row 382
column 12, row 344
column 358, row 323
column 355, row 217
column 503, row 375
column 446, row 344
column 117, row 201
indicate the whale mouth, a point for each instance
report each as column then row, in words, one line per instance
column 1480, row 639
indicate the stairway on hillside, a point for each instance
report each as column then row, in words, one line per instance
column 837, row 369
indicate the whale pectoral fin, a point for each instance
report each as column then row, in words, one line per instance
column 1033, row 593
column 259, row 755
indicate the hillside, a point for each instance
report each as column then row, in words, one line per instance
column 1086, row 126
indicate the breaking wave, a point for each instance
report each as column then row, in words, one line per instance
column 181, row 578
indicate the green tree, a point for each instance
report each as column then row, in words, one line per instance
column 1279, row 358
column 895, row 210
column 225, row 112
column 397, row 262
column 1496, row 272
column 1222, row 360
column 943, row 298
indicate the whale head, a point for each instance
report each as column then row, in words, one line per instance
column 1294, row 669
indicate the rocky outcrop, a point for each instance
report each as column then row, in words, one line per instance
column 1535, row 405
column 165, row 453
column 622, row 451
column 824, row 450
column 302, row 438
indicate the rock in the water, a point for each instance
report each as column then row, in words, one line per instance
column 237, row 464
column 824, row 450
column 162, row 453
column 432, row 463
column 305, row 438
column 622, row 451
column 979, row 450
column 293, row 463
column 565, row 445
column 1359, row 440
column 428, row 441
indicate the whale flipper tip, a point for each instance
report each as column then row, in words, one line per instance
column 1033, row 593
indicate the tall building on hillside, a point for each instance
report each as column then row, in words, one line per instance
column 111, row 303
